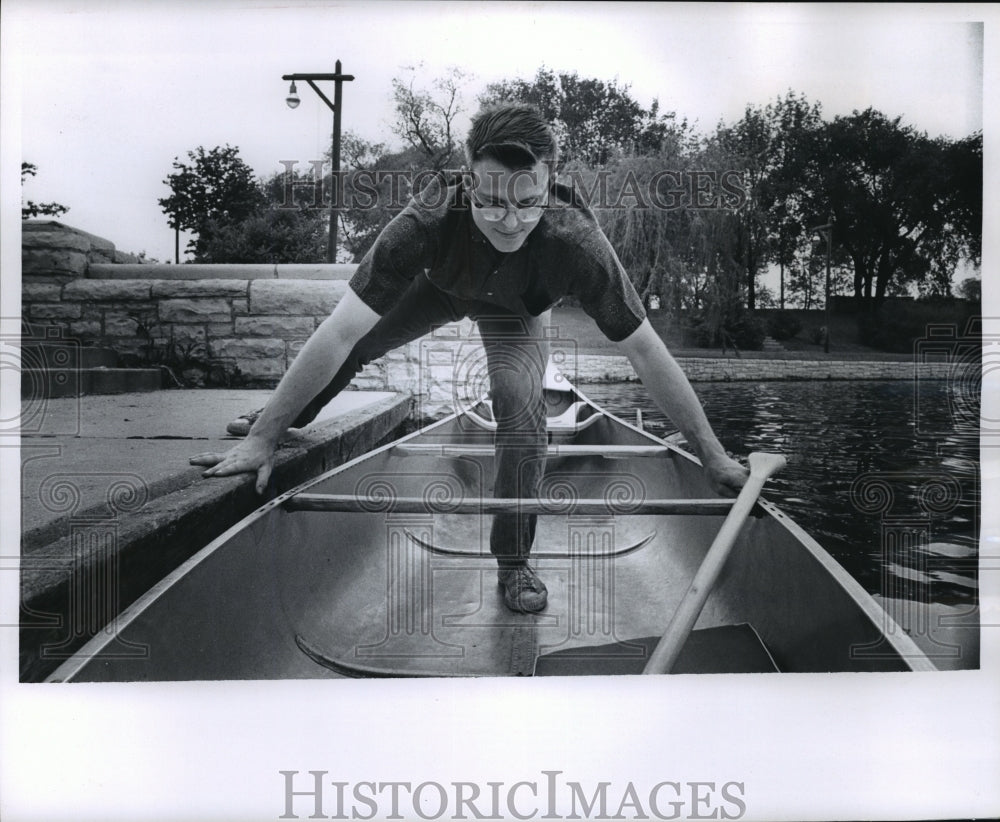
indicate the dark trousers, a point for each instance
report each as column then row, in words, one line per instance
column 516, row 356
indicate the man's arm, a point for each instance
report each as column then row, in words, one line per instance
column 672, row 393
column 314, row 367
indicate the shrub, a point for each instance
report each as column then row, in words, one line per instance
column 897, row 329
column 783, row 326
column 748, row 332
column 744, row 330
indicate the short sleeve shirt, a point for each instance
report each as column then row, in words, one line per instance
column 566, row 254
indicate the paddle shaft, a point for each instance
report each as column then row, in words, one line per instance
column 669, row 647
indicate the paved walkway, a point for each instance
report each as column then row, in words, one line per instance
column 107, row 490
column 135, row 447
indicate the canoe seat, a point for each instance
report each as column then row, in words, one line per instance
column 728, row 649
column 578, row 416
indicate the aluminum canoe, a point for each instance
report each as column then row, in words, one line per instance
column 381, row 568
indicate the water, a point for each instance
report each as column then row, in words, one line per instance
column 885, row 475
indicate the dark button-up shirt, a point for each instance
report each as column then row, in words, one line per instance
column 565, row 254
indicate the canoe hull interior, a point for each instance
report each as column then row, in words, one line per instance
column 313, row 594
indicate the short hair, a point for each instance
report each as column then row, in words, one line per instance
column 516, row 135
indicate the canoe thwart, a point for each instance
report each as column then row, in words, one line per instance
column 354, row 503
column 422, row 449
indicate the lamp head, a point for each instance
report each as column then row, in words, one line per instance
column 292, row 100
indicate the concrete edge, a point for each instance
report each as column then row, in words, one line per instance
column 606, row 368
column 146, row 546
column 220, row 271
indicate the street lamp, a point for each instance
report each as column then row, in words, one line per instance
column 826, row 232
column 292, row 100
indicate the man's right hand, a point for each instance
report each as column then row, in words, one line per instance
column 251, row 456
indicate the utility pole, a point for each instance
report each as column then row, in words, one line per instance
column 338, row 78
column 826, row 232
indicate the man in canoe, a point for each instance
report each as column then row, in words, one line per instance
column 500, row 244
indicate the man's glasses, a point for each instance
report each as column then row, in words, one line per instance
column 495, row 213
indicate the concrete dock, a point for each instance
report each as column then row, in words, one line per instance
column 110, row 503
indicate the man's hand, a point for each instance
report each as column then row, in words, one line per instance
column 726, row 475
column 250, row 456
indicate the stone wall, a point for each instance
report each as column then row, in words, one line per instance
column 244, row 325
column 52, row 250
column 249, row 328
column 591, row 368
column 214, row 325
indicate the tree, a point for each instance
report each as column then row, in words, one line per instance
column 594, row 120
column 274, row 235
column 768, row 146
column 425, row 118
column 215, row 191
column 377, row 184
column 971, row 289
column 30, row 209
column 906, row 208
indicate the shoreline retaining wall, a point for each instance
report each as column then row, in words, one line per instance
column 244, row 325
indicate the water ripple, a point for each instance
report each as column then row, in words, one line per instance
column 835, row 432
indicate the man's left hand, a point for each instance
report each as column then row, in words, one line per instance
column 727, row 475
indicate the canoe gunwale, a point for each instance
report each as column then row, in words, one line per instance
column 295, row 499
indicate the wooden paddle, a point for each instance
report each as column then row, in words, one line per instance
column 669, row 647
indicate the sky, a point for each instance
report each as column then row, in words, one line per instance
column 108, row 94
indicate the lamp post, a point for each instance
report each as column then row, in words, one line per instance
column 826, row 232
column 292, row 100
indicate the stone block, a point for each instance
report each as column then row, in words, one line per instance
column 222, row 271
column 61, row 311
column 33, row 290
column 101, row 255
column 295, row 297
column 90, row 311
column 212, row 309
column 198, row 288
column 131, row 347
column 54, row 239
column 85, row 329
column 111, row 290
column 292, row 350
column 271, row 326
column 219, row 330
column 186, row 334
column 315, row 271
column 371, row 378
column 262, row 368
column 53, row 261
column 120, row 324
column 241, row 307
column 243, row 349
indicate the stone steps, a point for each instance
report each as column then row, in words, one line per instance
column 45, row 355
column 52, row 366
column 46, row 383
